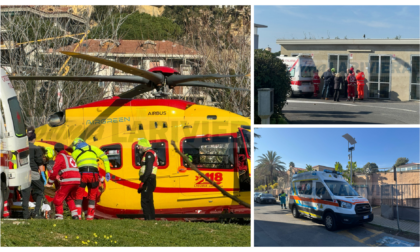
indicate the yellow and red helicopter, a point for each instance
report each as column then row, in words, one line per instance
column 217, row 141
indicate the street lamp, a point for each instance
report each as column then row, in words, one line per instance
column 350, row 141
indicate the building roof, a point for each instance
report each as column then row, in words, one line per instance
column 132, row 48
column 259, row 26
column 408, row 165
column 348, row 41
column 296, row 168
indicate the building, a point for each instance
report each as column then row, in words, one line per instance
column 256, row 36
column 391, row 66
column 322, row 168
column 408, row 167
column 141, row 54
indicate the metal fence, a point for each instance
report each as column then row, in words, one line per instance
column 408, row 195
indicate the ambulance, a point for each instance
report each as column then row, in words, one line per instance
column 14, row 146
column 301, row 69
column 326, row 196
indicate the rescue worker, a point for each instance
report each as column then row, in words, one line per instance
column 316, row 81
column 338, row 83
column 86, row 158
column 282, row 198
column 360, row 77
column 351, row 87
column 328, row 78
column 65, row 167
column 147, row 174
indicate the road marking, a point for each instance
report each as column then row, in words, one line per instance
column 357, row 239
column 352, row 105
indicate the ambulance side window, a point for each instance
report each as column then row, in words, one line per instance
column 305, row 187
column 292, row 73
column 322, row 192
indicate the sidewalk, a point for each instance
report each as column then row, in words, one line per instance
column 408, row 226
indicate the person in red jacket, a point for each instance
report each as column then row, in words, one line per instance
column 65, row 167
column 351, row 80
column 316, row 81
column 360, row 77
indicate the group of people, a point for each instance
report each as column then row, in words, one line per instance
column 338, row 81
column 72, row 173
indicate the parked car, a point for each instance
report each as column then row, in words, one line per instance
column 265, row 198
column 256, row 194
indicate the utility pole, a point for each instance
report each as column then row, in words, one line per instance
column 396, row 195
column 350, row 141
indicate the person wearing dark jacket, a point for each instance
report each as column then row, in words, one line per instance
column 36, row 163
column 338, row 84
column 328, row 78
column 147, row 173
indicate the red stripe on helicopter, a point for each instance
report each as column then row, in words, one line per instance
column 117, row 102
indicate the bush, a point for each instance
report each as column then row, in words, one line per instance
column 270, row 72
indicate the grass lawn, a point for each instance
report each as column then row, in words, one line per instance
column 118, row 233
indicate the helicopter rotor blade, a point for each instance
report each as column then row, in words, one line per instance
column 210, row 85
column 154, row 77
column 174, row 80
column 140, row 89
column 130, row 79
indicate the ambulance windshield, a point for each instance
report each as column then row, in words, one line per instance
column 340, row 188
column 307, row 71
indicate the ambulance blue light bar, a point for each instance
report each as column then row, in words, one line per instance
column 328, row 171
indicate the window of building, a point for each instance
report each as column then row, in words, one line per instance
column 321, row 191
column 161, row 149
column 304, row 187
column 339, row 62
column 210, row 152
column 379, row 76
column 415, row 78
column 114, row 153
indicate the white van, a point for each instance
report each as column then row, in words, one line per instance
column 301, row 69
column 328, row 197
column 12, row 139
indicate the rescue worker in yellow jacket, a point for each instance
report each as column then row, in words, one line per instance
column 147, row 174
column 86, row 159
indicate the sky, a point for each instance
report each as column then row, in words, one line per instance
column 325, row 146
column 377, row 22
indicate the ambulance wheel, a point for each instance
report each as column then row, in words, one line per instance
column 295, row 212
column 330, row 222
column 289, row 93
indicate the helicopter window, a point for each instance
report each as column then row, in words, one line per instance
column 210, row 152
column 114, row 153
column 140, row 126
column 161, row 149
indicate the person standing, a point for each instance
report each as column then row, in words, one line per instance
column 37, row 185
column 66, row 168
column 85, row 156
column 351, row 79
column 147, row 174
column 282, row 198
column 328, row 77
column 360, row 77
column 338, row 84
column 316, row 81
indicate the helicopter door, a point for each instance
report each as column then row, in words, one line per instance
column 244, row 159
column 215, row 156
column 113, row 196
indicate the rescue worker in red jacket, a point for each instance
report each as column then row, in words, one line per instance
column 316, row 81
column 86, row 157
column 360, row 77
column 65, row 167
column 351, row 87
column 147, row 173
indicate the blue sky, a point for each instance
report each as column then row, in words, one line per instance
column 325, row 146
column 377, row 22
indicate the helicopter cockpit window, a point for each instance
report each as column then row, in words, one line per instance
column 161, row 149
column 210, row 152
column 114, row 153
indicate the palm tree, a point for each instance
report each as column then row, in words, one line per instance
column 309, row 168
column 270, row 163
column 338, row 167
column 256, row 136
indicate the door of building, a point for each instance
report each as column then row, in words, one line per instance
column 415, row 78
column 379, row 76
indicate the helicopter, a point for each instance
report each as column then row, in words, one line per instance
column 217, row 141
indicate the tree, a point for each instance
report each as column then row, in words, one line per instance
column 291, row 164
column 309, row 167
column 401, row 161
column 256, row 136
column 270, row 164
column 338, row 167
column 270, row 72
column 370, row 168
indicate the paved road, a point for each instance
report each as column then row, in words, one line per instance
column 370, row 111
column 276, row 227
